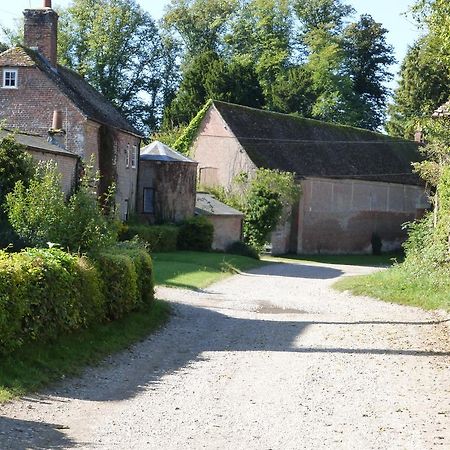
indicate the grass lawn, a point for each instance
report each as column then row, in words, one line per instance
column 38, row 364
column 385, row 259
column 397, row 285
column 196, row 270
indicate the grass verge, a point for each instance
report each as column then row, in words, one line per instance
column 399, row 286
column 38, row 364
column 385, row 259
column 196, row 270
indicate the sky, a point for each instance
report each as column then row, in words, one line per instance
column 402, row 31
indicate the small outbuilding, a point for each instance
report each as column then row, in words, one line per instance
column 166, row 184
column 227, row 221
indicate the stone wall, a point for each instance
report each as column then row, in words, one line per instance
column 174, row 184
column 227, row 229
column 339, row 216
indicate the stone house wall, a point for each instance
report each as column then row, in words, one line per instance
column 227, row 229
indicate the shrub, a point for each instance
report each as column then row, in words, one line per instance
column 45, row 292
column 243, row 249
column 119, row 279
column 160, row 238
column 138, row 252
column 196, row 233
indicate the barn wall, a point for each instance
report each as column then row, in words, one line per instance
column 175, row 186
column 218, row 152
column 339, row 216
column 227, row 229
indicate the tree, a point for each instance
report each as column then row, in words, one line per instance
column 3, row 47
column 116, row 46
column 367, row 59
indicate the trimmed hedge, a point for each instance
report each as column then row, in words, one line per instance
column 196, row 233
column 47, row 292
column 160, row 238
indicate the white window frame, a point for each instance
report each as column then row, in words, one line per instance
column 16, row 78
column 127, row 156
column 134, row 157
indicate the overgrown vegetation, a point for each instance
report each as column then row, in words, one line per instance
column 423, row 279
column 160, row 238
column 40, row 214
column 15, row 165
column 196, row 234
column 266, row 198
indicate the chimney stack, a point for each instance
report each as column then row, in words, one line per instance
column 41, row 31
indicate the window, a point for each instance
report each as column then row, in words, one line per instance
column 134, row 157
column 149, row 200
column 10, row 78
column 127, row 156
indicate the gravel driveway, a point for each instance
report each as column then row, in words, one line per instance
column 273, row 359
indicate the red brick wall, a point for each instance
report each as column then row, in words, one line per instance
column 30, row 108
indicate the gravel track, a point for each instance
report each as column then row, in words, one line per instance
column 272, row 359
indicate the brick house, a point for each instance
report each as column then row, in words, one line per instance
column 354, row 182
column 33, row 87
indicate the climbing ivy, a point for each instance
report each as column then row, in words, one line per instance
column 184, row 142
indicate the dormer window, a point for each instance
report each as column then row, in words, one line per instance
column 10, row 78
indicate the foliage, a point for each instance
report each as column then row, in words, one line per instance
column 116, row 46
column 425, row 74
column 15, row 165
column 184, row 142
column 37, row 364
column 39, row 213
column 197, row 270
column 266, row 198
column 292, row 56
column 160, row 238
column 196, row 234
column 46, row 293
column 243, row 249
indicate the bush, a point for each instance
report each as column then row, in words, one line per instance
column 243, row 249
column 47, row 292
column 44, row 293
column 160, row 238
column 196, row 234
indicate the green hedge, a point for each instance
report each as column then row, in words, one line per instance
column 160, row 238
column 196, row 233
column 47, row 292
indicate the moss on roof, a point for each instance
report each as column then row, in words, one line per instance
column 313, row 148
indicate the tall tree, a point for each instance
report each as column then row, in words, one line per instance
column 367, row 61
column 116, row 46
column 425, row 71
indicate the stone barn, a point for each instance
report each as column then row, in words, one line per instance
column 355, row 183
column 166, row 186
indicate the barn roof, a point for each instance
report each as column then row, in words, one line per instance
column 208, row 205
column 157, row 151
column 87, row 99
column 312, row 148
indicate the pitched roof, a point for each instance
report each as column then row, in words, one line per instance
column 157, row 151
column 208, row 205
column 35, row 141
column 88, row 100
column 312, row 148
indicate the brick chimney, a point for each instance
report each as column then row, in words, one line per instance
column 41, row 31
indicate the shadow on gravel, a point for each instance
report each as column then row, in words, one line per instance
column 296, row 271
column 23, row 434
column 188, row 338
